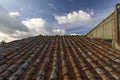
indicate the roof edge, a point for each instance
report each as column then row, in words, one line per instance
column 100, row 23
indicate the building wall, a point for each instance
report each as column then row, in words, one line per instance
column 109, row 29
column 105, row 29
column 116, row 28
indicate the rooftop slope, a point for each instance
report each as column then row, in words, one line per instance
column 60, row 58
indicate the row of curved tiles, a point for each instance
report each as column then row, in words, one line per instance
column 61, row 58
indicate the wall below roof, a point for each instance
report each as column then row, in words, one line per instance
column 105, row 29
column 109, row 28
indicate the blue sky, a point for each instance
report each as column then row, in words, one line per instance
column 48, row 8
column 50, row 17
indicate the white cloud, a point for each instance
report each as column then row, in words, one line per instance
column 16, row 17
column 74, row 34
column 12, row 27
column 14, row 13
column 75, row 18
column 90, row 11
column 38, row 26
column 59, row 31
column 35, row 26
column 9, row 22
column 6, row 37
column 20, row 34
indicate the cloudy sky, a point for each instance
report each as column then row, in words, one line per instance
column 24, row 18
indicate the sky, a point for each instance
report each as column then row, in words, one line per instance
column 25, row 18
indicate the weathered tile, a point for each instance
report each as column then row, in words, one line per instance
column 2, row 68
column 115, row 74
column 64, row 57
column 89, row 74
column 99, row 70
column 108, row 68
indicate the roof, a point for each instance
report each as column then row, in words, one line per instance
column 60, row 58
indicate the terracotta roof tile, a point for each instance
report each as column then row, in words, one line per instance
column 3, row 67
column 5, row 74
column 12, row 68
column 13, row 77
column 61, row 58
